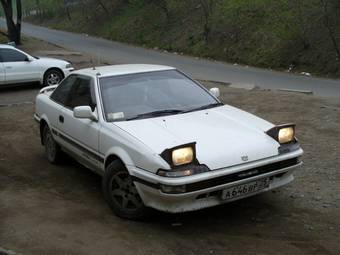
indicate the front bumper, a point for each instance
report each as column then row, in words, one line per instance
column 205, row 190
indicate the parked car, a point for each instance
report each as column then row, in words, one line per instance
column 18, row 67
column 162, row 140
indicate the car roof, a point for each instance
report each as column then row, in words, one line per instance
column 6, row 46
column 114, row 70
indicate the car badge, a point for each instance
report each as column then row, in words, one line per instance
column 244, row 158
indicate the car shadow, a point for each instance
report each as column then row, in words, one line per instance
column 247, row 211
column 19, row 87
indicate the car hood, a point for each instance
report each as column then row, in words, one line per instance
column 55, row 61
column 224, row 136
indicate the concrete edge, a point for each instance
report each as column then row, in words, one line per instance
column 307, row 92
column 249, row 86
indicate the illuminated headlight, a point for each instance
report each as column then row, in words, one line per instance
column 182, row 156
column 283, row 134
column 182, row 161
column 286, row 135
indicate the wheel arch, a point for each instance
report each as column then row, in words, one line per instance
column 42, row 125
column 119, row 154
column 111, row 158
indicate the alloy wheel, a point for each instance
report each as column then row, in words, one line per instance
column 124, row 192
column 53, row 79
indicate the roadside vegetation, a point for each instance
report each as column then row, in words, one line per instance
column 3, row 38
column 299, row 35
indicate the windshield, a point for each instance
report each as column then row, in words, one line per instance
column 152, row 94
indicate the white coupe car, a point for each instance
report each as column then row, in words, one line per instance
column 18, row 67
column 161, row 140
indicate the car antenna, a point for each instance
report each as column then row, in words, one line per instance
column 93, row 66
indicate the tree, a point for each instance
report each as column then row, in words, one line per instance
column 13, row 28
column 104, row 7
column 207, row 7
column 163, row 5
column 329, row 21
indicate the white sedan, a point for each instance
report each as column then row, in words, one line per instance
column 161, row 140
column 17, row 67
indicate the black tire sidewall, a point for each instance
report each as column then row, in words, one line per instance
column 56, row 158
column 112, row 169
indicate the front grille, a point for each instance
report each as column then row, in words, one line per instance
column 241, row 175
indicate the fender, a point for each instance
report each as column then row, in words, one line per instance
column 151, row 163
column 121, row 154
column 44, row 118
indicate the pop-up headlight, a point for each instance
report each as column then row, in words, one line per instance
column 283, row 134
column 182, row 156
column 182, row 160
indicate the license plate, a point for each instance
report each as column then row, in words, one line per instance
column 244, row 189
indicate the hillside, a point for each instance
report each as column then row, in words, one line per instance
column 301, row 35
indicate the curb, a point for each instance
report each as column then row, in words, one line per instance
column 308, row 92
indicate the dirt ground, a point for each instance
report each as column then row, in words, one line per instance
column 48, row 209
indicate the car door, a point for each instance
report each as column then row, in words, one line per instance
column 81, row 135
column 58, row 101
column 2, row 73
column 18, row 66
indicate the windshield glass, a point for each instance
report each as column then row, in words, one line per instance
column 151, row 94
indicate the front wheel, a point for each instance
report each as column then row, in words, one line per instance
column 53, row 77
column 121, row 194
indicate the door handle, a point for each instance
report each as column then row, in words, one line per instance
column 8, row 67
column 61, row 119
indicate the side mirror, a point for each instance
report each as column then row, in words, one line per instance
column 84, row 112
column 215, row 92
column 28, row 59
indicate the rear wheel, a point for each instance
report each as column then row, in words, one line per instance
column 53, row 77
column 52, row 149
column 121, row 194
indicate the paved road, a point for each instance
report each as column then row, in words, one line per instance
column 200, row 69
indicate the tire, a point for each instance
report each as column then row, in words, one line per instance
column 52, row 149
column 52, row 77
column 121, row 194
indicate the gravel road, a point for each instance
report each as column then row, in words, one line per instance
column 49, row 209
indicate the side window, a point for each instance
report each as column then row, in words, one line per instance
column 9, row 55
column 62, row 92
column 82, row 93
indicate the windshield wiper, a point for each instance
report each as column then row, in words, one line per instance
column 155, row 113
column 208, row 106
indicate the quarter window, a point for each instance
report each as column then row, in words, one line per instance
column 81, row 93
column 62, row 92
column 9, row 55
